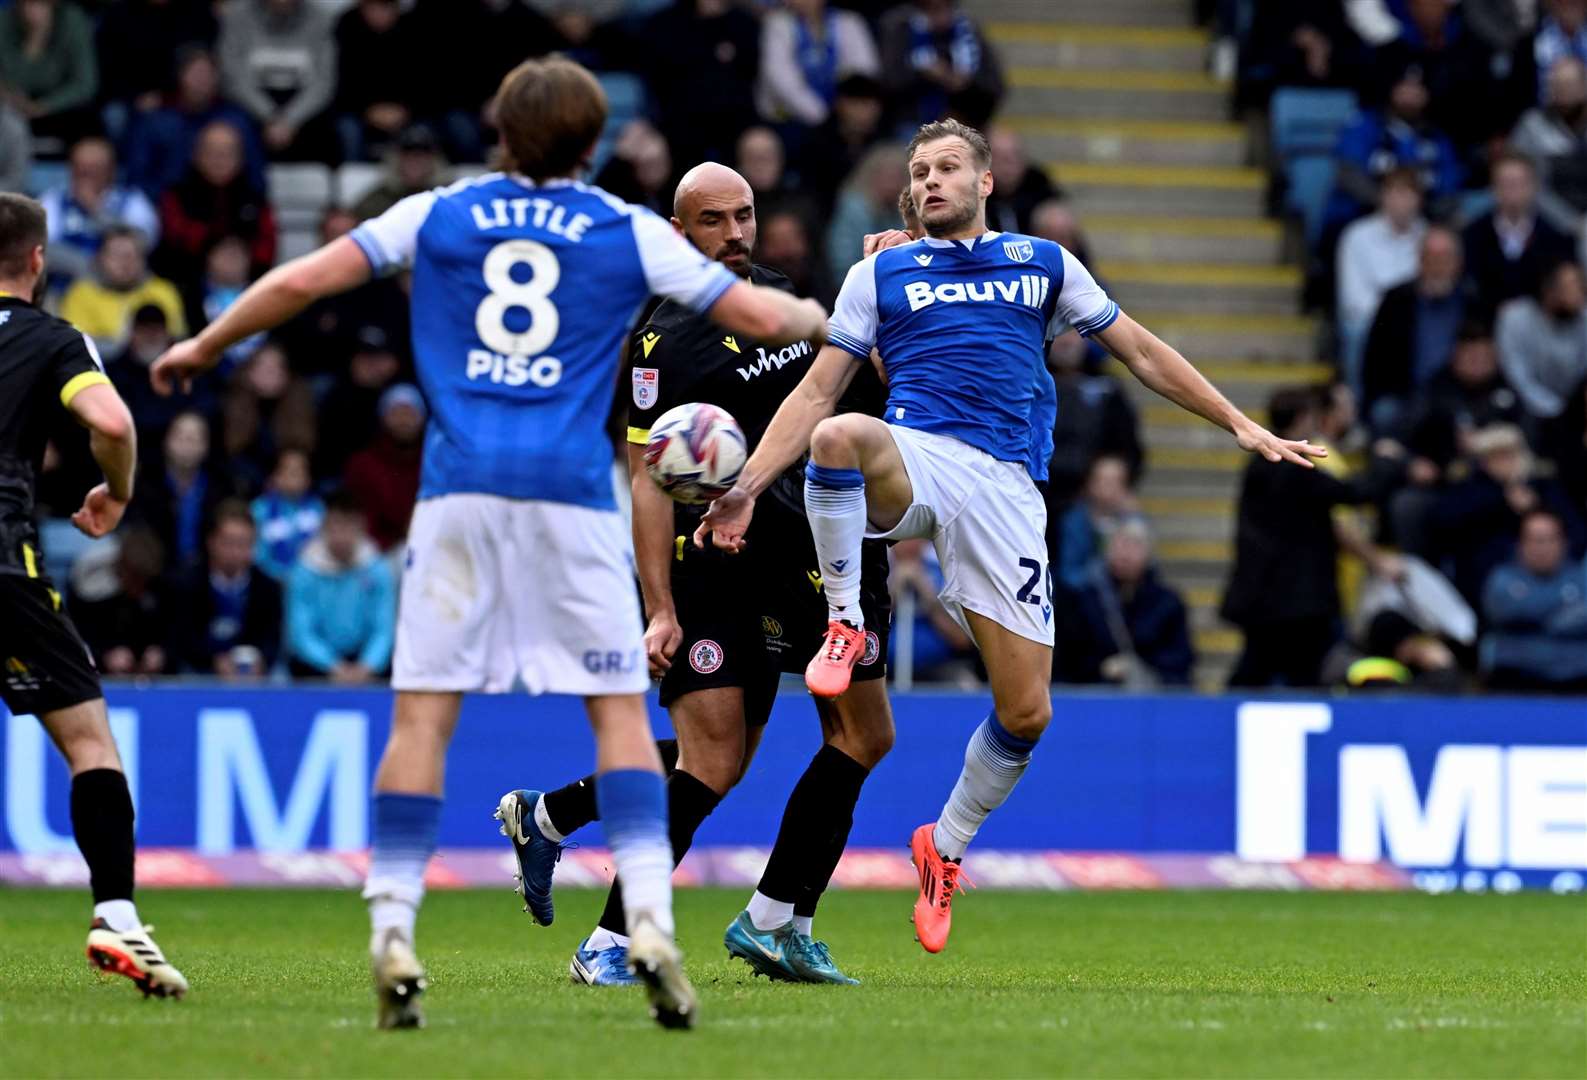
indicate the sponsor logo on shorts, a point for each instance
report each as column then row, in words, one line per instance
column 873, row 649
column 770, row 627
column 705, row 657
column 610, row 661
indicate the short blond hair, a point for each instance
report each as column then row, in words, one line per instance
column 952, row 129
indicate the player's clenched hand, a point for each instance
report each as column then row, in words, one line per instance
column 881, row 241
column 177, row 366
column 727, row 520
column 662, row 638
column 1258, row 440
column 100, row 514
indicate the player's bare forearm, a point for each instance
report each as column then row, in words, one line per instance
column 112, row 438
column 653, row 535
column 1161, row 369
column 285, row 291
column 788, row 437
column 118, row 458
column 770, row 316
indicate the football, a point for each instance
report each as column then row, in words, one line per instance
column 695, row 452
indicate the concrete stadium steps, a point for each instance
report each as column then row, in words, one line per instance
column 1165, row 239
column 1138, row 95
column 1275, row 338
column 1192, row 191
column 1079, row 47
column 1133, row 142
column 1160, row 13
column 1193, row 287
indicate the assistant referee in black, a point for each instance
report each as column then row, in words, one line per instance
column 45, row 669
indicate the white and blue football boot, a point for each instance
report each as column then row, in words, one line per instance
column 768, row 952
column 601, row 967
column 536, row 853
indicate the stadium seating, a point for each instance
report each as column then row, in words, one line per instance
column 1305, row 126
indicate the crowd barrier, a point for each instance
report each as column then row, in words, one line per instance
column 271, row 784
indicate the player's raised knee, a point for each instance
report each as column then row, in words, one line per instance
column 1027, row 719
column 838, row 440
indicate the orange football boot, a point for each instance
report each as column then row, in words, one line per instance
column 827, row 674
column 939, row 880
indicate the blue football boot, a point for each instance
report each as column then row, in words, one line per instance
column 813, row 961
column 604, row 967
column 537, row 854
column 768, row 952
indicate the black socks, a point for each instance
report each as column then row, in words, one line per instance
column 102, row 823
column 815, row 830
column 689, row 803
column 572, row 807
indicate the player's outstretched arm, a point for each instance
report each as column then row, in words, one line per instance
column 1161, row 368
column 770, row 316
column 113, row 440
column 813, row 400
column 653, row 539
column 266, row 304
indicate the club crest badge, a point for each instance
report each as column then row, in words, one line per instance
column 1021, row 251
column 873, row 650
column 705, row 657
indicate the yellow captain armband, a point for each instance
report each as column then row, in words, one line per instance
column 638, row 436
column 677, row 548
column 78, row 383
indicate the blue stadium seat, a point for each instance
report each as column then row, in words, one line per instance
column 1309, row 180
column 625, row 101
column 45, row 175
column 1309, row 121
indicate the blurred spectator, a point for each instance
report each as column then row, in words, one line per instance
column 1054, row 220
column 704, row 60
column 226, row 613
column 149, row 336
column 1396, row 136
column 376, row 55
column 834, row 150
column 1095, row 419
column 1564, row 442
column 783, row 243
column 384, row 476
column 48, row 70
column 1467, row 100
column 16, row 149
column 278, row 61
column 1468, row 395
column 1283, row 590
column 1543, row 341
column 123, row 616
column 415, row 165
column 1413, row 333
column 1106, row 501
column 266, row 408
column 1536, row 609
column 159, row 147
column 355, row 401
column 102, row 306
column 1510, row 249
column 1298, row 43
column 1502, row 24
column 1391, row 651
column 1554, row 138
column 139, row 42
column 1475, row 524
column 89, row 203
column 495, row 36
column 1124, row 626
column 176, row 490
column 214, row 199
column 226, row 275
column 1376, row 253
column 1017, row 187
column 806, row 48
column 341, row 601
column 321, row 340
column 761, row 161
column 868, row 204
column 1561, row 32
column 288, row 515
column 943, row 650
column 640, row 168
column 936, row 62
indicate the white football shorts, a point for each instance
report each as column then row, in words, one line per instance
column 989, row 525
column 497, row 590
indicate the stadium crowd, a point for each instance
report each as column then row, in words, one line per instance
column 267, row 533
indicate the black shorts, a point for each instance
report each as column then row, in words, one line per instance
column 749, row 618
column 44, row 665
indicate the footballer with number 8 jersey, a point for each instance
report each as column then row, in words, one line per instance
column 960, row 318
column 525, row 285
column 723, row 628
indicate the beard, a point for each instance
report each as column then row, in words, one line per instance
column 950, row 219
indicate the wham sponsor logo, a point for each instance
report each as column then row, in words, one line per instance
column 1029, row 290
column 774, row 361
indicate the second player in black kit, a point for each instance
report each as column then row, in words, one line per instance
column 748, row 618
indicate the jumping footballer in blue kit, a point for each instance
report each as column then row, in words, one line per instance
column 961, row 319
column 520, row 566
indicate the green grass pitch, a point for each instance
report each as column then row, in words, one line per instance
column 1067, row 984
